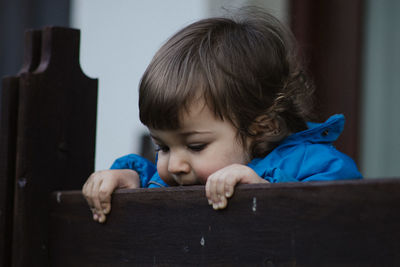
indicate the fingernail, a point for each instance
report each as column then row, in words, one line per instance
column 209, row 202
column 95, row 217
column 215, row 206
column 220, row 205
column 228, row 194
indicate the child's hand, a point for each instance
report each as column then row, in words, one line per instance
column 98, row 189
column 221, row 184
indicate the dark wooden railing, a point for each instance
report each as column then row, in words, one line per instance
column 48, row 115
column 353, row 223
column 48, row 125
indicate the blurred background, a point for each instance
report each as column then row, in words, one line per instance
column 351, row 48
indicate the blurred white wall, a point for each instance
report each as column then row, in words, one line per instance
column 118, row 40
column 278, row 8
column 380, row 132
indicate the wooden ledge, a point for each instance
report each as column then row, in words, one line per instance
column 353, row 223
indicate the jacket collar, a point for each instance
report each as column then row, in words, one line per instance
column 326, row 132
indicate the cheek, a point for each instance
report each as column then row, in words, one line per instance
column 205, row 168
column 162, row 169
column 204, row 171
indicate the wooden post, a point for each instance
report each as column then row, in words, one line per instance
column 8, row 139
column 330, row 35
column 8, row 131
column 55, row 138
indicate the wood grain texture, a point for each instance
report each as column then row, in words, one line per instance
column 9, row 104
column 351, row 223
column 8, row 133
column 56, row 139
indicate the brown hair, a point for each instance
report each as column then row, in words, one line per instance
column 245, row 68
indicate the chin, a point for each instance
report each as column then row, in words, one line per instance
column 191, row 183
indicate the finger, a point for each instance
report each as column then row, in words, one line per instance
column 88, row 181
column 106, row 208
column 102, row 218
column 208, row 193
column 96, row 198
column 213, row 193
column 99, row 214
column 94, row 214
column 105, row 191
column 230, row 187
column 85, row 188
column 220, row 188
column 97, row 206
column 229, row 190
column 87, row 193
column 223, row 203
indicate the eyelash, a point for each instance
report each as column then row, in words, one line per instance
column 161, row 148
column 195, row 148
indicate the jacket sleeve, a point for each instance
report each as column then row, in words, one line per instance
column 156, row 181
column 146, row 169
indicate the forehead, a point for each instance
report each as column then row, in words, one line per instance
column 198, row 115
column 198, row 119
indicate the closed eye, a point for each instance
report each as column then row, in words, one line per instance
column 197, row 147
column 161, row 148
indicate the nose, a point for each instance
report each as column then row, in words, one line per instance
column 177, row 164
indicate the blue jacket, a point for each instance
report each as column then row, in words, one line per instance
column 304, row 156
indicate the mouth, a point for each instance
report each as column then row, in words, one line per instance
column 185, row 180
column 177, row 179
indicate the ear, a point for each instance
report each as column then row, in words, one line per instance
column 270, row 126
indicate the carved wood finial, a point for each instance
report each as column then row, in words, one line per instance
column 55, row 107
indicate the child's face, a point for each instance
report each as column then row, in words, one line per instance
column 203, row 145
